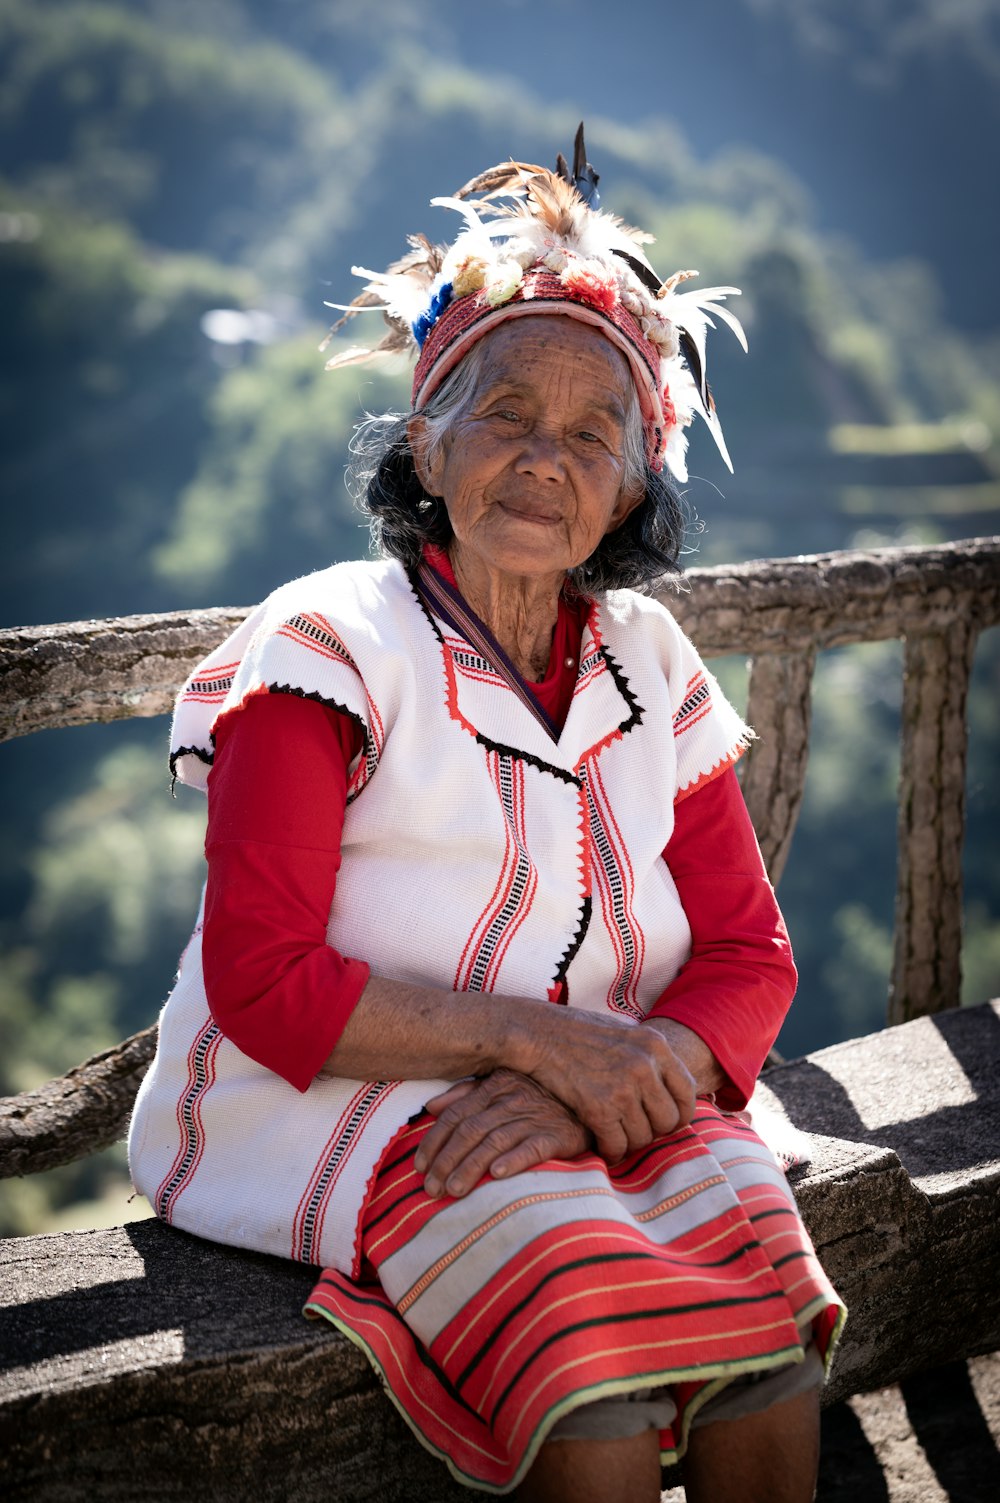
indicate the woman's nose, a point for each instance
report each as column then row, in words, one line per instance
column 542, row 457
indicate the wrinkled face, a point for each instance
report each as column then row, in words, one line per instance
column 532, row 472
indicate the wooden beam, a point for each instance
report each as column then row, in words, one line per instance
column 83, row 671
column 76, row 1115
column 831, row 599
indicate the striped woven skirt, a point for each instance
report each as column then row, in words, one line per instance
column 491, row 1317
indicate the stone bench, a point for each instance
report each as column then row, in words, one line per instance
column 141, row 1362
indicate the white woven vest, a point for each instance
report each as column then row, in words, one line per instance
column 478, row 855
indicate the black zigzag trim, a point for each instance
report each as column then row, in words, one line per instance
column 523, row 756
column 575, row 943
column 625, row 690
column 411, row 575
column 208, row 757
column 497, row 746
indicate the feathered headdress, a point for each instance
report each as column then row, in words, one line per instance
column 538, row 242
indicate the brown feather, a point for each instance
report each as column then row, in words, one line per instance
column 423, row 257
column 363, row 300
column 558, row 203
column 503, row 175
column 398, row 341
column 548, row 197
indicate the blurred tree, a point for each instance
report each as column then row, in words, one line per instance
column 198, row 144
column 269, row 500
column 115, row 879
column 104, row 376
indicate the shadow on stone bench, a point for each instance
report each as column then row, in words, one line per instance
column 144, row 1362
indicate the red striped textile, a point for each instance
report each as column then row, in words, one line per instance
column 490, row 1317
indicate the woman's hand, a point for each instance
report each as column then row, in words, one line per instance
column 500, row 1125
column 622, row 1080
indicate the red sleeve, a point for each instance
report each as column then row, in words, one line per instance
column 738, row 984
column 276, row 798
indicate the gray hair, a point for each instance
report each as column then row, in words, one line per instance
column 383, row 480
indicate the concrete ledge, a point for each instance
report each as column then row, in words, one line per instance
column 141, row 1362
column 903, row 1191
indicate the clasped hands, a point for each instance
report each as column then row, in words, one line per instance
column 593, row 1082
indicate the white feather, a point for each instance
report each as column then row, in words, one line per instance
column 599, row 235
column 732, row 321
column 357, row 307
column 378, row 277
column 463, row 207
column 690, row 309
column 703, row 295
column 356, row 355
column 711, row 421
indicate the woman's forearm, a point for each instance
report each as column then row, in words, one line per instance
column 398, row 1031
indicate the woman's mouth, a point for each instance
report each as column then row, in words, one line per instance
column 532, row 511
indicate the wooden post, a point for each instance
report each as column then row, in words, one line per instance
column 774, row 775
column 927, row 966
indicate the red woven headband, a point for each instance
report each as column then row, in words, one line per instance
column 465, row 321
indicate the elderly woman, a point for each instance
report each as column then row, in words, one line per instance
column 488, row 961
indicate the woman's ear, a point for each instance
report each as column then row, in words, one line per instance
column 625, row 505
column 428, row 472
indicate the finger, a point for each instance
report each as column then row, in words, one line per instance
column 471, row 1167
column 460, row 1089
column 431, row 1144
column 612, row 1142
column 464, row 1136
column 464, row 1099
column 681, row 1084
column 534, row 1150
column 662, row 1114
column 673, row 1100
column 639, row 1104
column 659, row 1090
column 437, row 1137
column 639, row 1130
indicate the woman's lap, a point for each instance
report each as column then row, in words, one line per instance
column 493, row 1316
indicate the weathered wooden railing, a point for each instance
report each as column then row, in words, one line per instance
column 140, row 1360
column 779, row 612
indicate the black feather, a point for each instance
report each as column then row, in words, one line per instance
column 646, row 277
column 584, row 176
column 580, row 163
column 690, row 352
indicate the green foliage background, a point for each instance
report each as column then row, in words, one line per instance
column 159, row 160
